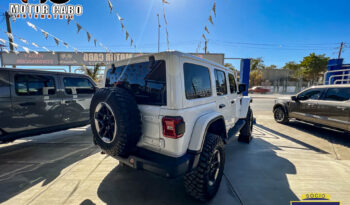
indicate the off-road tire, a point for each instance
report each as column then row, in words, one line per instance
column 127, row 118
column 280, row 119
column 197, row 181
column 245, row 134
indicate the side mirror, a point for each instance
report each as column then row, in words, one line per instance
column 294, row 98
column 242, row 88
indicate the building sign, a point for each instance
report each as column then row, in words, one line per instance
column 79, row 59
column 58, row 10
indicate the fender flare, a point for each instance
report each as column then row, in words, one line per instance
column 200, row 130
column 245, row 104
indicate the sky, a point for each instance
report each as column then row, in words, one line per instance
column 279, row 31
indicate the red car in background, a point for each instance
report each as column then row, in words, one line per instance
column 258, row 89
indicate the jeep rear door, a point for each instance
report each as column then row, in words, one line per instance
column 334, row 108
column 76, row 98
column 233, row 104
column 35, row 101
column 222, row 98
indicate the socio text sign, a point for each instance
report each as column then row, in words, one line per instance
column 79, row 59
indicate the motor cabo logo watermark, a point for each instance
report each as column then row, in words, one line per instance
column 315, row 199
column 58, row 10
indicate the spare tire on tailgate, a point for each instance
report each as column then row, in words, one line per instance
column 115, row 121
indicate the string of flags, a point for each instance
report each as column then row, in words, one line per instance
column 12, row 36
column 120, row 19
column 210, row 20
column 15, row 45
column 47, row 35
column 88, row 35
column 166, row 23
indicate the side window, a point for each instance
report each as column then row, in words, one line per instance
column 74, row 86
column 220, row 79
column 34, row 85
column 337, row 94
column 232, row 81
column 312, row 94
column 4, row 84
column 197, row 81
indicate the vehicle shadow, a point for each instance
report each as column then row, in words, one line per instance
column 254, row 174
column 258, row 175
column 333, row 136
column 40, row 160
column 276, row 133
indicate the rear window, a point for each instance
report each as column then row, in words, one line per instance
column 77, row 86
column 34, row 85
column 4, row 84
column 146, row 80
column 197, row 81
column 337, row 94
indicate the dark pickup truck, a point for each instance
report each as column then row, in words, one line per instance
column 326, row 105
column 35, row 102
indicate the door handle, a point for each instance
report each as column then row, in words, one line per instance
column 233, row 101
column 340, row 107
column 27, row 104
column 222, row 106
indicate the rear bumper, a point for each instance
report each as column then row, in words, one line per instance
column 160, row 164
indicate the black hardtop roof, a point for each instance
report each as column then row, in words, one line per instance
column 37, row 71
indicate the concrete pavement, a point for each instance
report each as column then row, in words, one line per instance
column 280, row 164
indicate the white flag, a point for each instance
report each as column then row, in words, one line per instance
column 119, row 18
column 23, row 40
column 25, row 49
column 7, row 51
column 32, row 26
column 9, row 35
column 2, row 41
column 15, row 45
column 36, row 45
column 36, row 52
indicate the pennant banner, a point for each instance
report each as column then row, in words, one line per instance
column 88, row 36
column 46, row 35
column 57, row 41
column 34, row 44
column 78, row 27
column 95, row 41
column 206, row 29
column 32, row 26
column 214, row 8
column 110, row 6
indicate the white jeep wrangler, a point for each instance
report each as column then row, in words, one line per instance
column 171, row 113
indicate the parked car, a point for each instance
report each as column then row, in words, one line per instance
column 35, row 102
column 327, row 105
column 171, row 113
column 258, row 89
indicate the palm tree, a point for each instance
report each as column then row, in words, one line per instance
column 93, row 73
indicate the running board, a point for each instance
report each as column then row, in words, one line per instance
column 234, row 130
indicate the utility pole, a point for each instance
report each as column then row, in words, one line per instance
column 340, row 49
column 158, row 34
column 9, row 30
column 205, row 46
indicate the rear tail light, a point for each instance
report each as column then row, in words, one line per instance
column 173, row 127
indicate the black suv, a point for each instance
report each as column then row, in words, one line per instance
column 34, row 102
column 327, row 105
